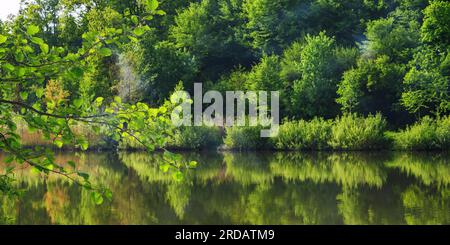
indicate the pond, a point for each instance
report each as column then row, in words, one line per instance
column 243, row 188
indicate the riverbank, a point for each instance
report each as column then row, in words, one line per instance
column 347, row 133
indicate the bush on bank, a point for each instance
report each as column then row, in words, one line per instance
column 196, row 138
column 245, row 138
column 184, row 138
column 348, row 132
column 352, row 132
column 303, row 135
column 427, row 134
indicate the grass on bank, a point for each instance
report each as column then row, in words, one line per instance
column 30, row 138
column 348, row 133
column 184, row 138
column 303, row 135
column 427, row 134
column 245, row 138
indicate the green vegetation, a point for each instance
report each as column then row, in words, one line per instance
column 427, row 134
column 94, row 74
column 245, row 138
column 351, row 132
column 61, row 89
column 244, row 188
column 304, row 135
column 196, row 138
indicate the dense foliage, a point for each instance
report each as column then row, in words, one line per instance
column 54, row 88
column 111, row 65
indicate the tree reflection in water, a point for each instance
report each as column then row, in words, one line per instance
column 244, row 188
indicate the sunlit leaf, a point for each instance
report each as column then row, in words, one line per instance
column 3, row 39
column 59, row 143
column 97, row 198
column 105, row 52
column 24, row 95
column 77, row 103
column 99, row 101
column 192, row 164
column 32, row 30
column 152, row 5
column 178, row 176
column 117, row 99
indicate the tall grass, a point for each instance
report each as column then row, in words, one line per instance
column 197, row 138
column 184, row 138
column 35, row 138
column 351, row 132
column 303, row 135
column 245, row 138
column 427, row 134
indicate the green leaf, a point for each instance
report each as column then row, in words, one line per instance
column 3, row 39
column 164, row 168
column 77, row 72
column 24, row 95
column 78, row 103
column 97, row 198
column 105, row 52
column 192, row 164
column 178, row 176
column 32, row 30
column 148, row 17
column 109, row 110
column 172, row 156
column 49, row 166
column 44, row 48
column 39, row 92
column 152, row 5
column 21, row 72
column 37, row 40
column 85, row 176
column 9, row 159
column 160, row 12
column 108, row 195
column 9, row 170
column 135, row 19
column 117, row 99
column 9, row 67
column 51, row 105
column 19, row 56
column 84, row 145
column 139, row 31
column 99, row 101
column 133, row 39
column 71, row 163
column 59, row 143
column 126, row 12
column 36, row 170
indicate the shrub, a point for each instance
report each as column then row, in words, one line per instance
column 303, row 135
column 245, row 138
column 196, row 138
column 30, row 137
column 443, row 133
column 351, row 132
column 428, row 134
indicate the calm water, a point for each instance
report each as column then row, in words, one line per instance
column 244, row 188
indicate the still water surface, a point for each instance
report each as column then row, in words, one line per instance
column 244, row 188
